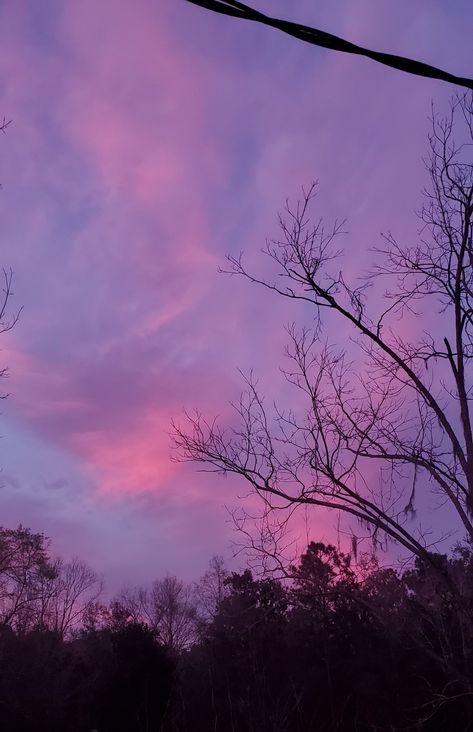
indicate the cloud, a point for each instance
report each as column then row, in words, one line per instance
column 149, row 139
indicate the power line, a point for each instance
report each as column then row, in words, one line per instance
column 328, row 40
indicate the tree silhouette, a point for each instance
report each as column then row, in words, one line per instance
column 133, row 693
column 168, row 607
column 25, row 565
column 343, row 646
column 402, row 404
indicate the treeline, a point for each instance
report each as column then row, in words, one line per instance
column 335, row 646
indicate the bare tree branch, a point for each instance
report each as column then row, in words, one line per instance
column 402, row 404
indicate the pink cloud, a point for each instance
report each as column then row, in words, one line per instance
column 149, row 140
column 126, row 441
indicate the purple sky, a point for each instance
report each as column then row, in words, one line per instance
column 149, row 140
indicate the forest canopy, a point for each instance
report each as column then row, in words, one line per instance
column 337, row 646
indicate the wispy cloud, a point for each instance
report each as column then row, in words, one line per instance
column 149, row 139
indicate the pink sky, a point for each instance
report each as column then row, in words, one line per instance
column 149, row 140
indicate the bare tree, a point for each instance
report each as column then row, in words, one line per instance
column 37, row 591
column 66, row 595
column 24, row 567
column 212, row 588
column 168, row 607
column 174, row 612
column 7, row 319
column 389, row 401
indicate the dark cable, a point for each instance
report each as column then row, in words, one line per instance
column 327, row 40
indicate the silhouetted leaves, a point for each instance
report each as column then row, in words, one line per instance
column 337, row 646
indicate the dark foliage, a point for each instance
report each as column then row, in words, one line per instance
column 334, row 650
column 112, row 680
column 333, row 647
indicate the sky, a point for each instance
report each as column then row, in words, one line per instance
column 150, row 139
